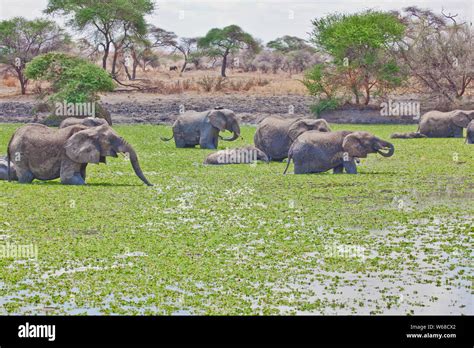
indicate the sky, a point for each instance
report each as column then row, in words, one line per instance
column 264, row 19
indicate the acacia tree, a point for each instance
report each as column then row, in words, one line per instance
column 187, row 47
column 222, row 42
column 289, row 43
column 108, row 23
column 360, row 45
column 439, row 53
column 21, row 40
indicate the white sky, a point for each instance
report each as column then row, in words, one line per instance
column 264, row 19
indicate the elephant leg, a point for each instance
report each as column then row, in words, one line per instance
column 25, row 176
column 350, row 167
column 339, row 169
column 208, row 138
column 70, row 173
column 458, row 132
column 83, row 171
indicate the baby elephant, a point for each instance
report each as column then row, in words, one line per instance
column 409, row 135
column 316, row 152
column 247, row 154
column 470, row 133
column 4, row 170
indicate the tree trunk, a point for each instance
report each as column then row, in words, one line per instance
column 105, row 56
column 22, row 79
column 224, row 63
column 184, row 65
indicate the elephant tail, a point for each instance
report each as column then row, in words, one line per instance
column 290, row 155
column 167, row 139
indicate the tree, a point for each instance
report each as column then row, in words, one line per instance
column 221, row 42
column 186, row 46
column 109, row 23
column 439, row 53
column 21, row 40
column 73, row 79
column 361, row 45
column 289, row 43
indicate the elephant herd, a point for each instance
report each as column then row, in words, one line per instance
column 36, row 151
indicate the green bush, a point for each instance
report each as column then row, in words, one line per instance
column 72, row 79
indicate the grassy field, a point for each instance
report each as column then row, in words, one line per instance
column 244, row 239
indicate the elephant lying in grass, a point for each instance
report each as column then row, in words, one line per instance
column 202, row 128
column 470, row 133
column 4, row 169
column 40, row 152
column 275, row 134
column 316, row 152
column 247, row 154
column 437, row 124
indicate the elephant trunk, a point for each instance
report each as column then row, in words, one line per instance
column 127, row 148
column 391, row 149
column 236, row 133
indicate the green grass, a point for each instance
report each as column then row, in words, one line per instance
column 242, row 239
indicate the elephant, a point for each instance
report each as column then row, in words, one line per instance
column 437, row 124
column 275, row 134
column 409, row 135
column 316, row 152
column 202, row 128
column 247, row 154
column 40, row 152
column 4, row 169
column 88, row 122
column 470, row 133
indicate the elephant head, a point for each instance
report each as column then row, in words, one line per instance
column 461, row 118
column 305, row 124
column 94, row 144
column 225, row 119
column 360, row 144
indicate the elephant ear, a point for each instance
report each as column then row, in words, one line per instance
column 353, row 146
column 83, row 147
column 217, row 119
column 297, row 128
column 461, row 118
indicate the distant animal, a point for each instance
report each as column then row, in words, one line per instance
column 470, row 133
column 316, row 152
column 247, row 154
column 173, row 68
column 40, row 152
column 4, row 169
column 88, row 122
column 408, row 135
column 202, row 128
column 275, row 134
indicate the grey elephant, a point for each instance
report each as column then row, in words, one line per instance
column 437, row 124
column 470, row 133
column 275, row 134
column 202, row 128
column 246, row 154
column 40, row 152
column 316, row 152
column 4, row 169
column 88, row 122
